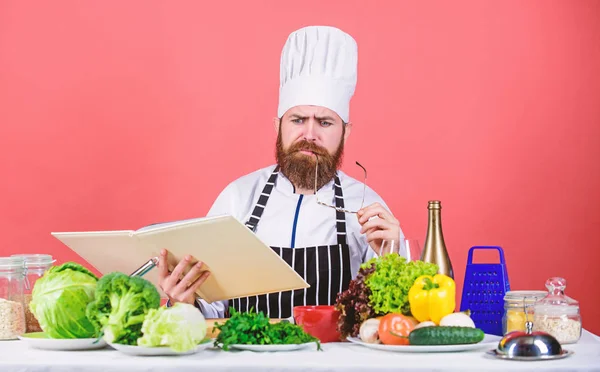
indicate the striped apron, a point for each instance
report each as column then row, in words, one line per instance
column 326, row 268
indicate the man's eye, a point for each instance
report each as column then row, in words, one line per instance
column 297, row 121
column 326, row 123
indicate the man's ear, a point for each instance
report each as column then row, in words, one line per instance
column 347, row 131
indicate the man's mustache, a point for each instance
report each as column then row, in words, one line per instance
column 307, row 146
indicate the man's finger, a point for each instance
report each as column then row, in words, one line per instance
column 378, row 234
column 375, row 210
column 372, row 206
column 189, row 278
column 163, row 267
column 376, row 223
column 370, row 231
column 195, row 285
column 178, row 271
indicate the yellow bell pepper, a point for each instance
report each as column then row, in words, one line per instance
column 432, row 297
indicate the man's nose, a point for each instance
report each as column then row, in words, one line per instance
column 310, row 130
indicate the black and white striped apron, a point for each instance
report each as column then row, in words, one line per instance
column 326, row 268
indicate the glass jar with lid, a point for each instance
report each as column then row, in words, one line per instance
column 12, row 313
column 35, row 267
column 558, row 314
column 515, row 305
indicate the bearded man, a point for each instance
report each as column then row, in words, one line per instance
column 322, row 222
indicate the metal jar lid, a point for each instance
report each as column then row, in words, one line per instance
column 36, row 259
column 529, row 297
column 11, row 263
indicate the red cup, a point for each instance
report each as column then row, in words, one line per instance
column 318, row 321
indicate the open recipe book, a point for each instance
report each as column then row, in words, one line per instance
column 240, row 263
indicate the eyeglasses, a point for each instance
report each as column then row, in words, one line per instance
column 333, row 206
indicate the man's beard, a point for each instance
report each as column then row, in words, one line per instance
column 299, row 168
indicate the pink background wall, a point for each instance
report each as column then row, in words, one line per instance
column 118, row 114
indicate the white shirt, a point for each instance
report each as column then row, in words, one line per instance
column 315, row 224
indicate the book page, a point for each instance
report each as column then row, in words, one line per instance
column 106, row 251
column 239, row 262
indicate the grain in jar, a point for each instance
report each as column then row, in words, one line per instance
column 515, row 303
column 35, row 266
column 12, row 319
column 558, row 314
column 12, row 314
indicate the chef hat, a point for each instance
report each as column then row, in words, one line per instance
column 318, row 67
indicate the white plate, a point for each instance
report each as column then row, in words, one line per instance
column 488, row 340
column 159, row 350
column 39, row 340
column 268, row 348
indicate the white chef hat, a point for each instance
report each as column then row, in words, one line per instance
column 318, row 67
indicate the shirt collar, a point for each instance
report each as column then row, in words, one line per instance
column 284, row 185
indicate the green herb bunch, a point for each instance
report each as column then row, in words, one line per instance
column 253, row 328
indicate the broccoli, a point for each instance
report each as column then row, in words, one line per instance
column 120, row 306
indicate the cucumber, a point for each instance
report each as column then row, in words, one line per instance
column 445, row 335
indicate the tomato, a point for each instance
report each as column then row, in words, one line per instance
column 391, row 326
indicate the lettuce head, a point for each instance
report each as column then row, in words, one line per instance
column 59, row 301
column 181, row 327
column 392, row 278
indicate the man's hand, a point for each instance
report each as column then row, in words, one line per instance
column 381, row 227
column 180, row 290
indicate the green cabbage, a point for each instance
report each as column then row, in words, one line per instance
column 59, row 301
column 392, row 279
column 181, row 327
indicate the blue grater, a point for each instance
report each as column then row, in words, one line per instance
column 483, row 292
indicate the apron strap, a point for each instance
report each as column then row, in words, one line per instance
column 340, row 217
column 262, row 201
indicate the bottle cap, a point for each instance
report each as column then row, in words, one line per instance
column 435, row 204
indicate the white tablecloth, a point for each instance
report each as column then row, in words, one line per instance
column 16, row 356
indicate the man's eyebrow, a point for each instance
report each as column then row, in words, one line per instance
column 328, row 118
column 318, row 118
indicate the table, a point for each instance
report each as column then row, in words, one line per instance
column 16, row 356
